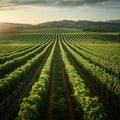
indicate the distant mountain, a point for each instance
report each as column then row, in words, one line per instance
column 107, row 26
column 57, row 24
column 113, row 21
column 83, row 25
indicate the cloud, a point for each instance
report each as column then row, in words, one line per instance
column 13, row 4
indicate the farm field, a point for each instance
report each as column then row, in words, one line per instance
column 54, row 74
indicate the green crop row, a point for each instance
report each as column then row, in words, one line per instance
column 11, row 65
column 9, row 83
column 3, row 59
column 31, row 105
column 107, row 51
column 105, row 80
column 10, row 51
column 7, row 50
column 92, row 109
column 96, row 60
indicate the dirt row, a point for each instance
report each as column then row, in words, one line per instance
column 10, row 107
column 111, row 107
column 71, row 106
column 71, row 102
column 49, row 98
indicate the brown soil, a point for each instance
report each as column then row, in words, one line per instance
column 71, row 103
column 49, row 100
column 12, row 106
column 111, row 107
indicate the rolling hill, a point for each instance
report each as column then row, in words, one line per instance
column 107, row 26
column 84, row 25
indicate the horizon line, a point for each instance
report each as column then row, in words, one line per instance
column 7, row 22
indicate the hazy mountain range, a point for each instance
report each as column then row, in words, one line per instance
column 111, row 25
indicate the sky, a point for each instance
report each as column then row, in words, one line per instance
column 39, row 11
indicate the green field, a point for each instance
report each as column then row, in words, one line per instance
column 54, row 74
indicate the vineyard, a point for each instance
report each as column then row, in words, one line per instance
column 55, row 74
